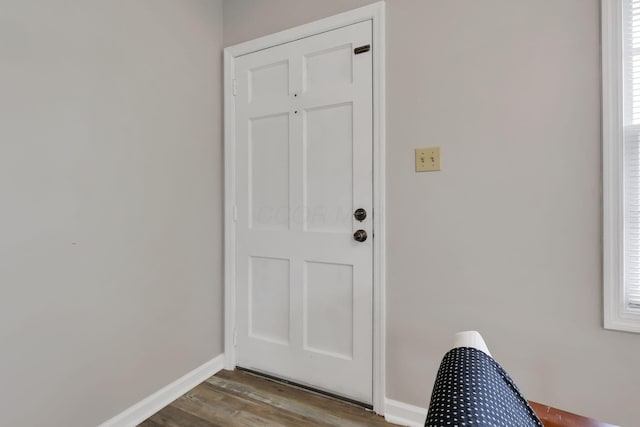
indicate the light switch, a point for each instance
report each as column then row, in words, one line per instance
column 427, row 159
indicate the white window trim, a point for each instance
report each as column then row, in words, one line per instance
column 616, row 314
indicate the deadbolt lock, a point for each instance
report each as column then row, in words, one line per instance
column 360, row 214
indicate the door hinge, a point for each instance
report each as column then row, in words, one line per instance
column 235, row 338
column 235, row 213
column 234, row 87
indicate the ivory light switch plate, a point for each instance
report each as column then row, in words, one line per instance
column 427, row 159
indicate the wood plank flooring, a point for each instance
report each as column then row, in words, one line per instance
column 240, row 399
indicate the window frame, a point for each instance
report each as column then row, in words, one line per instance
column 617, row 316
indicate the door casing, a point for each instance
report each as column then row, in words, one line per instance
column 376, row 13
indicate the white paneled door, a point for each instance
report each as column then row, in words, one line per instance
column 304, row 253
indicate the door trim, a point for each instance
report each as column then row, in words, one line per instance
column 376, row 13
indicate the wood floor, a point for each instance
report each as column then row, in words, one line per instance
column 240, row 399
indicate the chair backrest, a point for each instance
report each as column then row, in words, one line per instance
column 470, row 339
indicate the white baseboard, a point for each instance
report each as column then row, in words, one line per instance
column 404, row 414
column 394, row 412
column 142, row 410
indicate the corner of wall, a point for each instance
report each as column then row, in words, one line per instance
column 148, row 406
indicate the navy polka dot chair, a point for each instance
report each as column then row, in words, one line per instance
column 472, row 389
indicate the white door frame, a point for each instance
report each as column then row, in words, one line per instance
column 376, row 13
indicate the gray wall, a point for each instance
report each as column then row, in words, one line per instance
column 505, row 239
column 111, row 210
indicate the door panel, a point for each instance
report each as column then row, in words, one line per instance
column 268, row 81
column 328, row 154
column 328, row 309
column 269, row 169
column 328, row 68
column 269, row 299
column 304, row 164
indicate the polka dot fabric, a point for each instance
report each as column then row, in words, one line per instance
column 472, row 389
